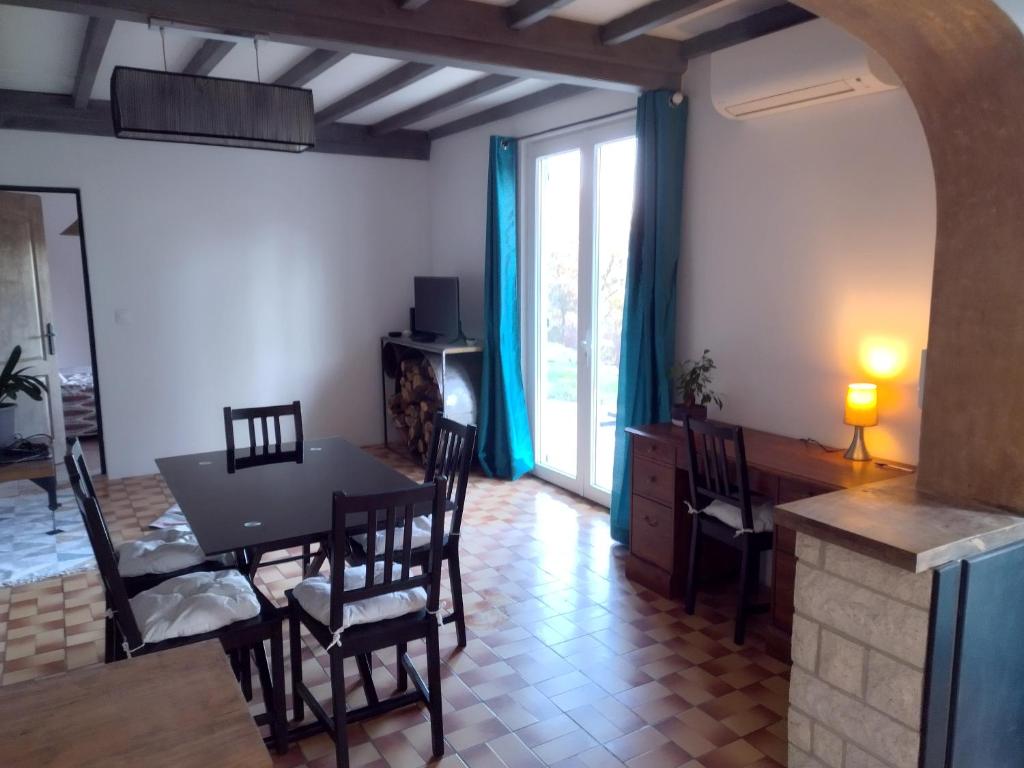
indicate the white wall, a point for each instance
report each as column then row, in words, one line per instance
column 1014, row 9
column 247, row 277
column 67, row 286
column 804, row 234
column 241, row 278
column 458, row 181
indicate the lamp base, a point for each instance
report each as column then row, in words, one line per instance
column 857, row 451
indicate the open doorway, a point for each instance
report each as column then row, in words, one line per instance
column 58, row 303
column 46, row 323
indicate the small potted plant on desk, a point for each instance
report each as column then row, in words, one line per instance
column 692, row 380
column 13, row 382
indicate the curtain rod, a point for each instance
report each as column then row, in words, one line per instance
column 575, row 124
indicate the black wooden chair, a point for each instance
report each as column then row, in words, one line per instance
column 723, row 510
column 263, row 415
column 159, row 631
column 80, row 479
column 450, row 454
column 382, row 604
column 265, row 448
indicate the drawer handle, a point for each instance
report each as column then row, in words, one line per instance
column 652, row 479
column 651, row 521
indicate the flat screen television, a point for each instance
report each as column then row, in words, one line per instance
column 437, row 308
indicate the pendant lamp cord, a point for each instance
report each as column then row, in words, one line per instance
column 256, row 47
column 163, row 46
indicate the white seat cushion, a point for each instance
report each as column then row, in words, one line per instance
column 314, row 595
column 163, row 551
column 763, row 515
column 423, row 523
column 420, row 538
column 173, row 518
column 193, row 604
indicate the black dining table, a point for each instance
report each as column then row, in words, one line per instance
column 282, row 498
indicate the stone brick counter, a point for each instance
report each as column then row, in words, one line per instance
column 864, row 584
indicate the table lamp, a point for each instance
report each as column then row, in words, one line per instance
column 861, row 411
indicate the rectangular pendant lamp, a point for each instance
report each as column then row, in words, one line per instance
column 166, row 106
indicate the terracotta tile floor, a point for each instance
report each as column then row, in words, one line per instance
column 568, row 663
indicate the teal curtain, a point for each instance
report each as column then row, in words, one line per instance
column 505, row 446
column 649, row 313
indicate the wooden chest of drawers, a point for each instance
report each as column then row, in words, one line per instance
column 659, row 525
column 659, row 528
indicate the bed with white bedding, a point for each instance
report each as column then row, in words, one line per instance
column 78, row 393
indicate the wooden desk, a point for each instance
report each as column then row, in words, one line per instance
column 782, row 468
column 175, row 709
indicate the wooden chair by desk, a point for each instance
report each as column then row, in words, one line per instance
column 781, row 468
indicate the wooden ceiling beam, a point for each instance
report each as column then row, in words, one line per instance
column 648, row 17
column 444, row 32
column 53, row 113
column 315, row 63
column 395, row 80
column 468, row 92
column 536, row 100
column 210, row 54
column 97, row 35
column 347, row 139
column 760, row 24
column 526, row 13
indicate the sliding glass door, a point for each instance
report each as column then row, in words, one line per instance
column 578, row 191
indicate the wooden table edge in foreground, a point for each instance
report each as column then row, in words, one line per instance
column 180, row 708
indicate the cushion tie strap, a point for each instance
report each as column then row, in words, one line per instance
column 690, row 509
column 336, row 638
column 111, row 614
column 444, row 610
column 128, row 650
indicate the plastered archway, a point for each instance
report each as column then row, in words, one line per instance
column 962, row 62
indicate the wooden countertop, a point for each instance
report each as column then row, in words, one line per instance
column 896, row 523
column 179, row 708
column 27, row 470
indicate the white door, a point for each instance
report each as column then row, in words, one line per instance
column 26, row 314
column 578, row 199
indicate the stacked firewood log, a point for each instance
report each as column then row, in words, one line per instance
column 417, row 398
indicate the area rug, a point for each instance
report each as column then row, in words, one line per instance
column 27, row 553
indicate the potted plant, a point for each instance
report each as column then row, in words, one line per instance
column 692, row 380
column 12, row 383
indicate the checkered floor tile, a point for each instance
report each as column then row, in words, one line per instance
column 568, row 663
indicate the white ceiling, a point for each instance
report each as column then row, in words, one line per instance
column 603, row 11
column 39, row 51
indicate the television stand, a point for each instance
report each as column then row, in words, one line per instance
column 424, row 337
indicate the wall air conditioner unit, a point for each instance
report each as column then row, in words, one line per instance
column 165, row 106
column 812, row 63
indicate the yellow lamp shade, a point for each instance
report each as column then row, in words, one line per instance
column 861, row 405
